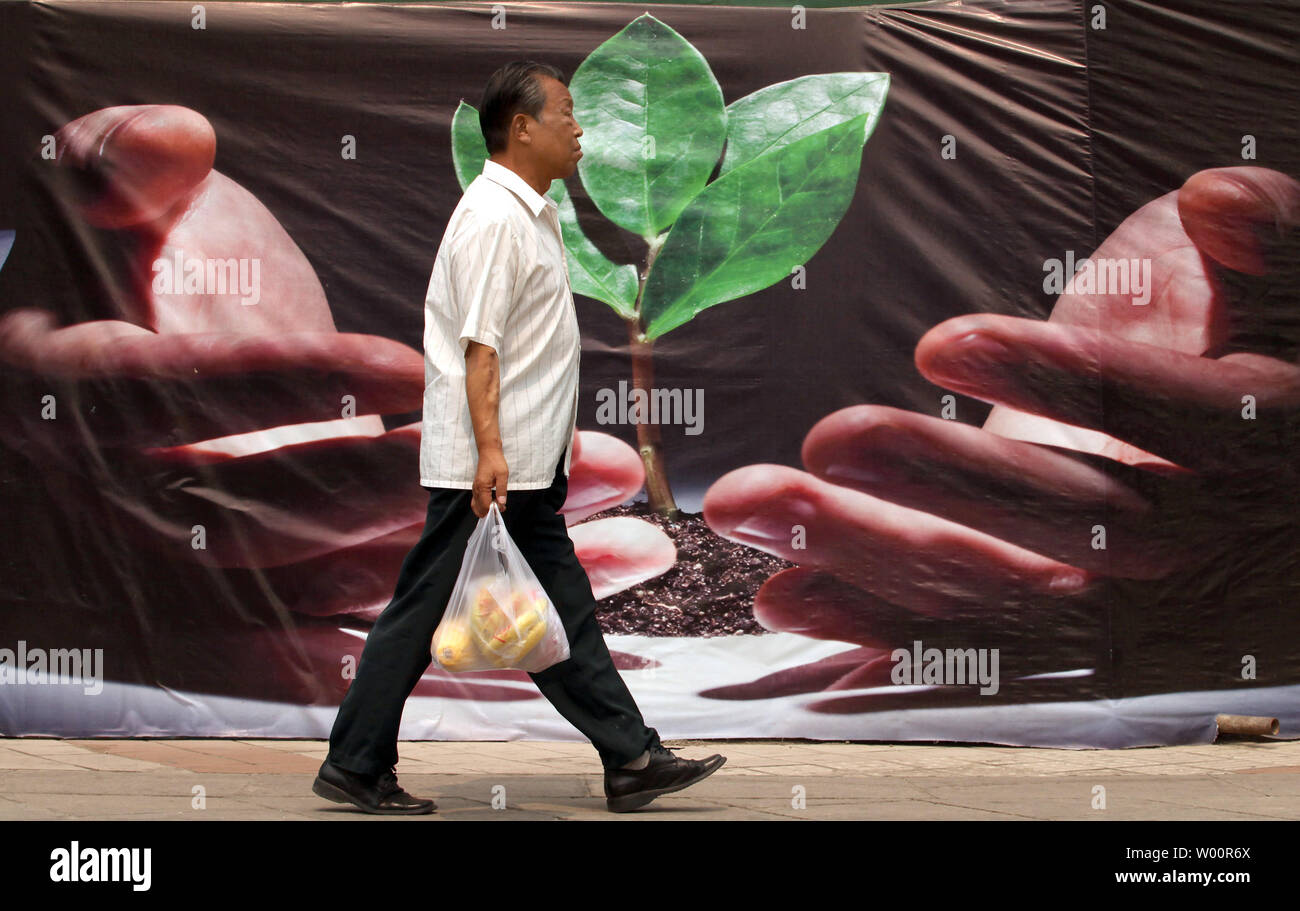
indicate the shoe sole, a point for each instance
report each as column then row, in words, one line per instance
column 641, row 798
column 322, row 788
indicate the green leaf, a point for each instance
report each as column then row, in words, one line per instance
column 468, row 148
column 653, row 125
column 780, row 114
column 749, row 228
column 590, row 273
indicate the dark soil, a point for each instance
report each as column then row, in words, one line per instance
column 708, row 592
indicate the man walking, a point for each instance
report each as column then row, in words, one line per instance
column 501, row 362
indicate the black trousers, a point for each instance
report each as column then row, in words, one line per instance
column 586, row 688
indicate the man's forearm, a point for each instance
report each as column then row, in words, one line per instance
column 483, row 385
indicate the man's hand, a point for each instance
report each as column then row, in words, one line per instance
column 227, row 416
column 921, row 528
column 491, row 475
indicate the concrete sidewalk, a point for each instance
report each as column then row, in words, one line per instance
column 763, row 779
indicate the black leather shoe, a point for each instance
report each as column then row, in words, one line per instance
column 374, row 794
column 628, row 789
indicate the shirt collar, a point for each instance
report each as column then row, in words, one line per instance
column 512, row 181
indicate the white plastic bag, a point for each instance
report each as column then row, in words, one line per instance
column 499, row 616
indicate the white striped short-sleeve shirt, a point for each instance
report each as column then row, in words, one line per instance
column 501, row 278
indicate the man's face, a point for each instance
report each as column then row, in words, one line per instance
column 555, row 136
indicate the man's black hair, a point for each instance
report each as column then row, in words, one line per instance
column 512, row 90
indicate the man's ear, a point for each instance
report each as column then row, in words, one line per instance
column 519, row 129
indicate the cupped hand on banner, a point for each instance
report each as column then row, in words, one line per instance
column 1147, row 445
column 233, row 429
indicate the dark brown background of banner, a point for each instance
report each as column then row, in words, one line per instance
column 1062, row 132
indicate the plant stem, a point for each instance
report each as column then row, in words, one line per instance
column 658, row 491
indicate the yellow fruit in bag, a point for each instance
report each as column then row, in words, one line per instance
column 506, row 636
column 454, row 648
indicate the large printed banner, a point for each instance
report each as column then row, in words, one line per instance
column 939, row 366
